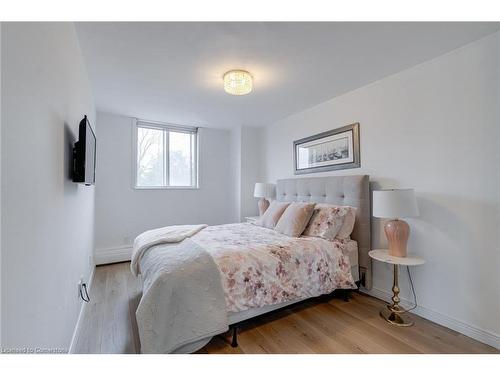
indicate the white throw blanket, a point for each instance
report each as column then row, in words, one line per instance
column 183, row 300
column 171, row 234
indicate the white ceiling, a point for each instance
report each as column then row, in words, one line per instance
column 172, row 72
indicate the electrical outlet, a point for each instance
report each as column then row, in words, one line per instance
column 79, row 285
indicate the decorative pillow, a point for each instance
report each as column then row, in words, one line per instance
column 329, row 221
column 295, row 219
column 348, row 225
column 272, row 214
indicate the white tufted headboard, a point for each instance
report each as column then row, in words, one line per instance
column 341, row 190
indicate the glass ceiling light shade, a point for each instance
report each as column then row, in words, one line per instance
column 237, row 82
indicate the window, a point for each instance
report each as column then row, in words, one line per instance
column 166, row 156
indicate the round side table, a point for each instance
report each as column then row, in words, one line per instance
column 394, row 312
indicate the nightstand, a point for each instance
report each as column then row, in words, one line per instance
column 393, row 313
column 251, row 219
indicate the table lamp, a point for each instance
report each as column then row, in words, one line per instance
column 263, row 191
column 394, row 204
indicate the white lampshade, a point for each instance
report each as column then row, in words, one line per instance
column 395, row 203
column 264, row 190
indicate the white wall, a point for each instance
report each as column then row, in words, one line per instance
column 251, row 167
column 47, row 220
column 235, row 151
column 435, row 128
column 247, row 169
column 0, row 184
column 123, row 212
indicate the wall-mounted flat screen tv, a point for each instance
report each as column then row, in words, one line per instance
column 84, row 153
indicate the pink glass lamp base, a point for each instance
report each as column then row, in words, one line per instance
column 397, row 232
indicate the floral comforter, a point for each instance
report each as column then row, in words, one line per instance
column 261, row 267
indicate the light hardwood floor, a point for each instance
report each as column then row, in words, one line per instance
column 317, row 326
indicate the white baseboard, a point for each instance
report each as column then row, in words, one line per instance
column 76, row 332
column 486, row 337
column 113, row 255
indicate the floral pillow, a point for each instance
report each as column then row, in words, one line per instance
column 329, row 222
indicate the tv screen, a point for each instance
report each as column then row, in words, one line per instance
column 84, row 154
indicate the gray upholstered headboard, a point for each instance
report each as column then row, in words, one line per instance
column 342, row 190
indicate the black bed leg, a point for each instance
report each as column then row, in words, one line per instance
column 234, row 342
column 347, row 295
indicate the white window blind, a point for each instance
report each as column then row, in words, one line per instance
column 166, row 155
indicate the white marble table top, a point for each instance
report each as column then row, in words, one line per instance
column 383, row 256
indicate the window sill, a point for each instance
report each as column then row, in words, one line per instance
column 166, row 187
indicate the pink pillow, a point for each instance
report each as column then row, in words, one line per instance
column 330, row 221
column 272, row 214
column 295, row 219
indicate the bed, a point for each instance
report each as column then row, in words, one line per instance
column 254, row 270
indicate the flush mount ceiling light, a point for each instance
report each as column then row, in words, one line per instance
column 237, row 82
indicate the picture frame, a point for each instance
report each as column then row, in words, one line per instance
column 328, row 151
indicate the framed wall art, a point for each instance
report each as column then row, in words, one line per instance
column 328, row 151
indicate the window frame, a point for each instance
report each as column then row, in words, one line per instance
column 165, row 127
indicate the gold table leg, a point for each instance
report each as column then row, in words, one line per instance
column 393, row 313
